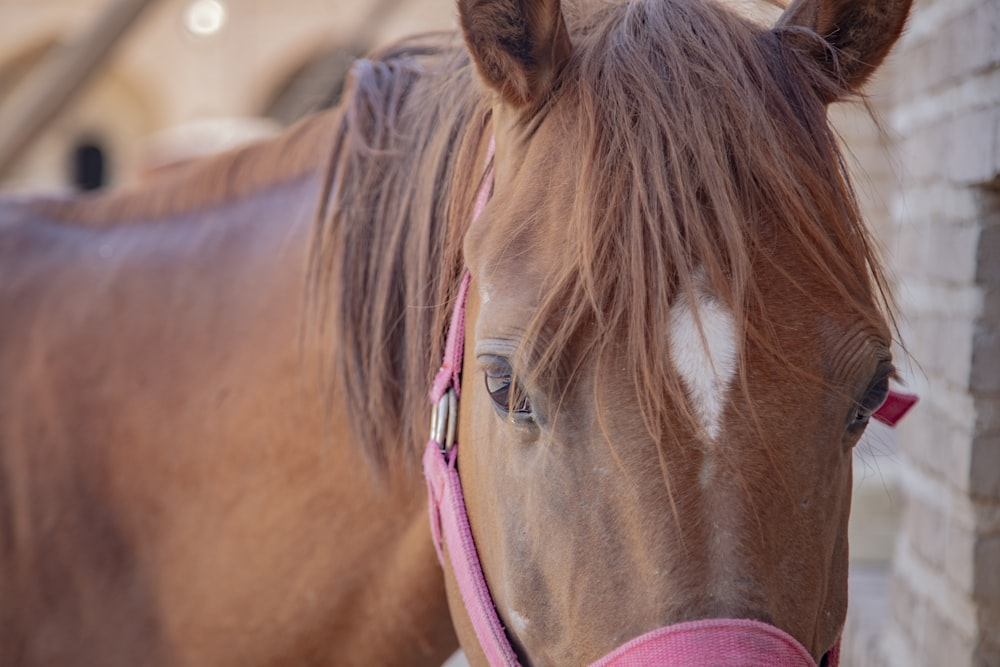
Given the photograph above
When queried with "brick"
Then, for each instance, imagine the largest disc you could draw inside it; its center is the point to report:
(971, 156)
(944, 109)
(987, 417)
(955, 453)
(908, 610)
(985, 356)
(951, 349)
(921, 300)
(990, 310)
(959, 556)
(912, 247)
(989, 624)
(978, 44)
(960, 406)
(943, 204)
(929, 333)
(926, 526)
(987, 655)
(955, 251)
(984, 473)
(926, 441)
(956, 205)
(988, 258)
(988, 199)
(985, 513)
(946, 645)
(922, 160)
(905, 79)
(995, 167)
(867, 616)
(895, 650)
(875, 506)
(942, 65)
(986, 556)
(941, 595)
(960, 460)
(947, 64)
(932, 620)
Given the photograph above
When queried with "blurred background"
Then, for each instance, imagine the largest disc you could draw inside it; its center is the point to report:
(100, 93)
(147, 81)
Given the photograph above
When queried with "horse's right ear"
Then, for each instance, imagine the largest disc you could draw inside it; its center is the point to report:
(519, 46)
(848, 38)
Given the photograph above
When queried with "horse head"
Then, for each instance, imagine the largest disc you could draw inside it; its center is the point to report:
(676, 330)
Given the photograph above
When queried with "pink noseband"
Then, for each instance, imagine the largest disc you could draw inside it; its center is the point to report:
(706, 643)
(729, 642)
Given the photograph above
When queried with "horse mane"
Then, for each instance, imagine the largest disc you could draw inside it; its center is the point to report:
(386, 253)
(703, 138)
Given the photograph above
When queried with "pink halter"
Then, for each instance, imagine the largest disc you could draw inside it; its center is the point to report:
(706, 643)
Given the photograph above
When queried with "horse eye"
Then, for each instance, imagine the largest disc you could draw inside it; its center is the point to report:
(505, 396)
(873, 400)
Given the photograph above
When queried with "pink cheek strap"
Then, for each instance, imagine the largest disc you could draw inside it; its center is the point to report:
(450, 526)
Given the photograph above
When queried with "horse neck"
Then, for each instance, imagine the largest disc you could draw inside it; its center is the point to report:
(196, 284)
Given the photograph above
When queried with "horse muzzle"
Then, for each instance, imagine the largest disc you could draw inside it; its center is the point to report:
(704, 643)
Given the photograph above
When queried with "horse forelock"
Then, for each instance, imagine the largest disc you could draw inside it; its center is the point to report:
(701, 139)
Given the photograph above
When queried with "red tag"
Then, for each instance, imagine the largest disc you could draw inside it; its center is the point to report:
(895, 407)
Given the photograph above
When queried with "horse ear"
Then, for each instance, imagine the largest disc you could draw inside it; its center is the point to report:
(519, 46)
(856, 35)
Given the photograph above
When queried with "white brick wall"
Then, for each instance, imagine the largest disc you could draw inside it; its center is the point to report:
(941, 102)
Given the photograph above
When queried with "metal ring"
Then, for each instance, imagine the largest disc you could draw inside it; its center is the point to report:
(441, 422)
(452, 419)
(434, 422)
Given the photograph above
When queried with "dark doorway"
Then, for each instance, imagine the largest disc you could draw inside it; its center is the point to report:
(89, 165)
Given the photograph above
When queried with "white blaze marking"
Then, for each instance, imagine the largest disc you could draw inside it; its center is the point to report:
(705, 357)
(707, 470)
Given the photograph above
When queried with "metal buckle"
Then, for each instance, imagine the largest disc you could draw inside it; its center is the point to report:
(444, 420)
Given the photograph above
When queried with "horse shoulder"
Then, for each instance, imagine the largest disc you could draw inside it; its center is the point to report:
(138, 363)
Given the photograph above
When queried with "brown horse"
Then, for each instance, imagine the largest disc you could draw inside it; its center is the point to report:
(213, 388)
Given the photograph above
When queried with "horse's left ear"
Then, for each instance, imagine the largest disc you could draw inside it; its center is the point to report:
(519, 46)
(856, 36)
